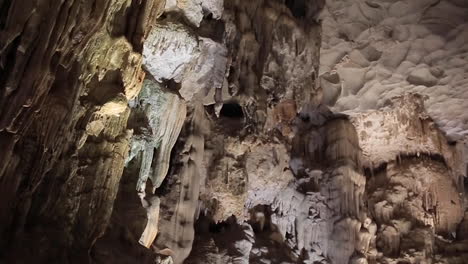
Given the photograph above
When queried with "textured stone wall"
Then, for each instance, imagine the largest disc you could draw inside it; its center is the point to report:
(189, 131)
(68, 70)
(375, 50)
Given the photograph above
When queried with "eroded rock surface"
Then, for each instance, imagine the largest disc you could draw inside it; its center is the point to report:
(68, 70)
(189, 131)
(376, 50)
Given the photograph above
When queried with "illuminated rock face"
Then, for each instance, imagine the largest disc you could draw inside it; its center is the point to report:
(189, 131)
(375, 50)
(68, 70)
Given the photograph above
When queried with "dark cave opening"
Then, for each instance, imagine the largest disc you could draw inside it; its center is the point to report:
(297, 7)
(232, 110)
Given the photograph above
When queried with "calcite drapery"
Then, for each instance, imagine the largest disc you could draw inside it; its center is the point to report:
(215, 129)
(68, 69)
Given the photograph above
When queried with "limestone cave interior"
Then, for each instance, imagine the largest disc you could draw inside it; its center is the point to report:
(234, 131)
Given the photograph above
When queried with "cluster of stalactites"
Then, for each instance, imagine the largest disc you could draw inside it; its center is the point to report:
(328, 142)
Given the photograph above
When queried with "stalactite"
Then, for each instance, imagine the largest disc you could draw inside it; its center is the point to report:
(181, 231)
(270, 131)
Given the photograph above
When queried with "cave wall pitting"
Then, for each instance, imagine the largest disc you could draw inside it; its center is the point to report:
(190, 131)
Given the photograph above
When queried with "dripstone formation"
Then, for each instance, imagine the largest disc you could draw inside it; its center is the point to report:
(235, 131)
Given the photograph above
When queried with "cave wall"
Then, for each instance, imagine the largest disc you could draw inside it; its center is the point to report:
(68, 70)
(189, 131)
(375, 50)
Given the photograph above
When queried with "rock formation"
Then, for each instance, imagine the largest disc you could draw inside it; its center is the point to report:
(211, 131)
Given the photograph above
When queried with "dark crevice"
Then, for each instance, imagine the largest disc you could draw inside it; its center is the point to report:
(404, 157)
(369, 172)
(260, 218)
(212, 28)
(8, 62)
(298, 7)
(4, 7)
(102, 91)
(232, 110)
(119, 25)
(175, 165)
(465, 180)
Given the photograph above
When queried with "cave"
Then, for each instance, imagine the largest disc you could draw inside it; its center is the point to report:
(234, 131)
(232, 110)
(298, 8)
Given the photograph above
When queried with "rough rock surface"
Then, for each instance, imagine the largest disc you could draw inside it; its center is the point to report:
(68, 70)
(261, 131)
(379, 49)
